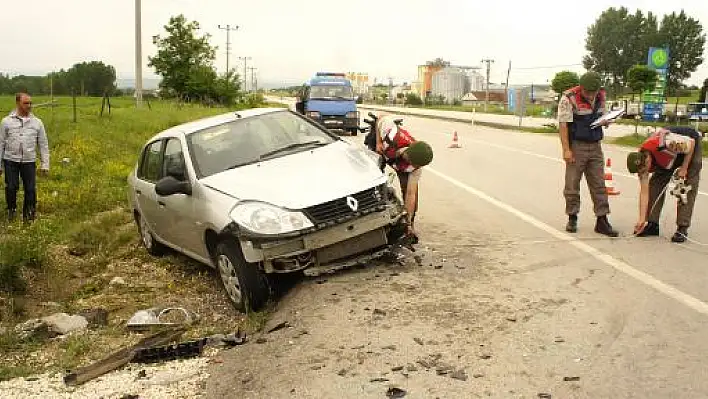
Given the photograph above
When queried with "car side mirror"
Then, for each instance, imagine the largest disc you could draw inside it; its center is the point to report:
(169, 186)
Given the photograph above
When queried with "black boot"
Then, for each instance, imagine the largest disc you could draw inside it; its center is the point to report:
(572, 225)
(603, 227)
(651, 229)
(680, 235)
(28, 215)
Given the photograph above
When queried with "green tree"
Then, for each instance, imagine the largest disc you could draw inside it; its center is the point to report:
(641, 78)
(617, 41)
(684, 37)
(89, 78)
(180, 54)
(564, 80)
(704, 90)
(413, 99)
(438, 62)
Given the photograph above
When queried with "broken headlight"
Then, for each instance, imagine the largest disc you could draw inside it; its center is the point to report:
(263, 218)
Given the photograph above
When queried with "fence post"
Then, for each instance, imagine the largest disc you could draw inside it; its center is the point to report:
(73, 96)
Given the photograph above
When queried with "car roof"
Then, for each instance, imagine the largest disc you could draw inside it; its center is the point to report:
(205, 123)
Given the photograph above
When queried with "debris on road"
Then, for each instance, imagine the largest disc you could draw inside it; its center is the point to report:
(120, 358)
(394, 393)
(571, 378)
(150, 318)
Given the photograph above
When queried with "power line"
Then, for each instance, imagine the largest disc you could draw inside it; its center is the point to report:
(551, 66)
(228, 42)
(486, 101)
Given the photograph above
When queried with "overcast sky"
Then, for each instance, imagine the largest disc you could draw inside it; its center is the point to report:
(289, 40)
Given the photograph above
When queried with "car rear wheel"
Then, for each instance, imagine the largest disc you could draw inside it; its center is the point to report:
(245, 284)
(152, 246)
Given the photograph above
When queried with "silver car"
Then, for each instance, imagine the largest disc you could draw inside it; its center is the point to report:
(261, 192)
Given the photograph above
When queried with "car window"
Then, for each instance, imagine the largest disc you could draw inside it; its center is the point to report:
(152, 161)
(173, 164)
(247, 140)
(331, 91)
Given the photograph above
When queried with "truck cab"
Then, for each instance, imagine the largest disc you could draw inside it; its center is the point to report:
(328, 98)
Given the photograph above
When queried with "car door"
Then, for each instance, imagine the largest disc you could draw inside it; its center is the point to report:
(149, 172)
(179, 211)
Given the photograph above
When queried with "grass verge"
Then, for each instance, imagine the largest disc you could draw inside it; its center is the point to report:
(84, 236)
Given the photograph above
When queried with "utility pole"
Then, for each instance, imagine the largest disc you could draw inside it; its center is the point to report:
(253, 82)
(138, 56)
(486, 102)
(506, 87)
(245, 73)
(228, 42)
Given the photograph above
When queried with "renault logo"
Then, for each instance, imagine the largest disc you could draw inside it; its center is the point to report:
(352, 203)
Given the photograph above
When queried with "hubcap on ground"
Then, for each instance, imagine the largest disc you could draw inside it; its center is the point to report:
(228, 276)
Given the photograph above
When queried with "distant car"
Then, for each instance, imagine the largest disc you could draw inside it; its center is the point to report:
(262, 192)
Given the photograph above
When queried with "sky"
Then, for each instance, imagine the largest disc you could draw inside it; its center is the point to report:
(288, 41)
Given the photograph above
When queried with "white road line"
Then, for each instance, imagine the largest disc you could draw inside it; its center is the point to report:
(558, 160)
(664, 288)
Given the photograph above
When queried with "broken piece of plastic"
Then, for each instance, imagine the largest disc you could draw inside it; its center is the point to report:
(149, 318)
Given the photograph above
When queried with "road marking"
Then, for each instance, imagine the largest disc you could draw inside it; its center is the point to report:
(623, 267)
(558, 160)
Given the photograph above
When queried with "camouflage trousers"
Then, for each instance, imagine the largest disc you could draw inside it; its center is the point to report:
(590, 162)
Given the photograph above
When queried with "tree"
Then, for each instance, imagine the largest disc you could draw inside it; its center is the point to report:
(617, 41)
(89, 78)
(438, 62)
(180, 54)
(641, 78)
(685, 39)
(564, 80)
(704, 90)
(413, 99)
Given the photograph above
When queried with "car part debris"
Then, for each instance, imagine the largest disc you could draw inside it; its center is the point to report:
(121, 357)
(394, 392)
(156, 354)
(149, 318)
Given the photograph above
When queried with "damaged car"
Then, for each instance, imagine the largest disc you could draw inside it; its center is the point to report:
(261, 193)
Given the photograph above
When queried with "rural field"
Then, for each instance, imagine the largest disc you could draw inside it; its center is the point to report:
(84, 237)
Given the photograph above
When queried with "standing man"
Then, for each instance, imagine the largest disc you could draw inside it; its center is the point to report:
(407, 156)
(21, 133)
(672, 150)
(582, 151)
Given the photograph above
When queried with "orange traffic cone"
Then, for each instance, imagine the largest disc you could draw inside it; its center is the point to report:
(609, 181)
(455, 142)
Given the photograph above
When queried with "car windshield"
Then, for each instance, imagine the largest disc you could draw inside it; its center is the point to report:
(253, 139)
(327, 92)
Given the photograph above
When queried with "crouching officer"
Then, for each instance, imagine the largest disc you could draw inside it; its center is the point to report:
(674, 150)
(582, 150)
(407, 156)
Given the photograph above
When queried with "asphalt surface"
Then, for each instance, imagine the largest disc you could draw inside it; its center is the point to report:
(624, 317)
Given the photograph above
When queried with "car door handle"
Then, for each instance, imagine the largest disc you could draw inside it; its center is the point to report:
(162, 204)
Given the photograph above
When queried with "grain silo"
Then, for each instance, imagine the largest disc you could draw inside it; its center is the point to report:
(451, 83)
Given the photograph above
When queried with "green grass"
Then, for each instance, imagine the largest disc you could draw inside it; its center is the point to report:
(99, 152)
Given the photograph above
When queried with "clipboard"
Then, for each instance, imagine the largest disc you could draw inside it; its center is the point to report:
(610, 116)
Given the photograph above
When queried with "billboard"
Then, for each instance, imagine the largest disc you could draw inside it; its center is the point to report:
(655, 98)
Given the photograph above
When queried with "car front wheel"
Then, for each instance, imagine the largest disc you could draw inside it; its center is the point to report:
(245, 284)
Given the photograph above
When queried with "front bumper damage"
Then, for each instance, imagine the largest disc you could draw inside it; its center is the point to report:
(344, 245)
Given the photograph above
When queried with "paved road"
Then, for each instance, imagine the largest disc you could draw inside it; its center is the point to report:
(615, 130)
(627, 316)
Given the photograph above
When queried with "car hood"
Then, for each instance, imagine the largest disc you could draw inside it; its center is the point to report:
(303, 179)
(331, 107)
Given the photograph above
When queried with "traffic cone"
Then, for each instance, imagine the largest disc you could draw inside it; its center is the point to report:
(609, 181)
(455, 142)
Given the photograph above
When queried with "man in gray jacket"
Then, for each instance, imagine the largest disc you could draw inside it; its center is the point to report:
(21, 133)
